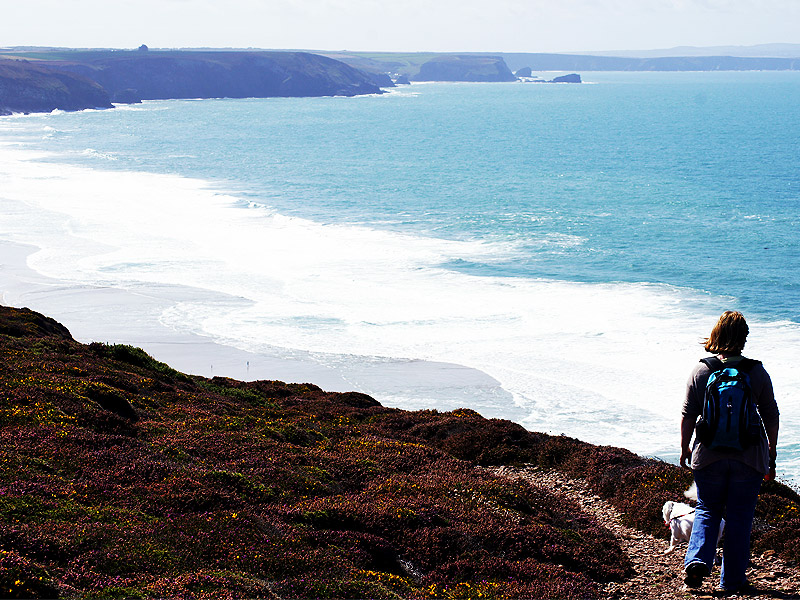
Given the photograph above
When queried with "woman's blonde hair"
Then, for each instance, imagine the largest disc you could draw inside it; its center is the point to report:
(729, 334)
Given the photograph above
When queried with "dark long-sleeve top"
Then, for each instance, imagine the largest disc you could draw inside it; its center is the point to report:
(755, 455)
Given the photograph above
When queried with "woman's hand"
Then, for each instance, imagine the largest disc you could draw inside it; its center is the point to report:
(686, 457)
(687, 430)
(770, 476)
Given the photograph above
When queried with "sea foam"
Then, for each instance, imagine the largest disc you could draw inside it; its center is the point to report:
(603, 362)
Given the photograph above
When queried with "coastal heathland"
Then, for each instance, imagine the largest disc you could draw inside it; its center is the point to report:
(121, 477)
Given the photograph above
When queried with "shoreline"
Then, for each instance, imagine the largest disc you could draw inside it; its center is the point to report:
(120, 316)
(131, 316)
(571, 372)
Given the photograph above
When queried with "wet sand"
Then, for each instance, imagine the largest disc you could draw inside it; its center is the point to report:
(132, 316)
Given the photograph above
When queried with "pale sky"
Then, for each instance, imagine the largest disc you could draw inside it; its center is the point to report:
(400, 25)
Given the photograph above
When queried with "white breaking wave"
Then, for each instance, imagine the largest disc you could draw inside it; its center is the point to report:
(91, 152)
(603, 362)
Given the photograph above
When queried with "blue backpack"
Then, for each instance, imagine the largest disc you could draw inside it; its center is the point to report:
(730, 421)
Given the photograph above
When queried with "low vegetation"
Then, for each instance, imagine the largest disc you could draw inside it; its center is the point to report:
(120, 477)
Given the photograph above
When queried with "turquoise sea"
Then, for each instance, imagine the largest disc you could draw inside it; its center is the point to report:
(571, 243)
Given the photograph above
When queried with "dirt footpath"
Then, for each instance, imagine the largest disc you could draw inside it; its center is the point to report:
(659, 576)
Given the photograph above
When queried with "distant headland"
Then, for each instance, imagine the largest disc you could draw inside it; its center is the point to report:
(42, 80)
(410, 64)
(45, 79)
(75, 80)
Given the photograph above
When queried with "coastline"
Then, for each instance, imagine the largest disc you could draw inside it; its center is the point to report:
(574, 375)
(131, 316)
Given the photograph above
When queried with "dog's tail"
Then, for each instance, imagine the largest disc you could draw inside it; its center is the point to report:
(691, 493)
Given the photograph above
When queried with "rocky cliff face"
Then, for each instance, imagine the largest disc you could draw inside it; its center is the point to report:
(464, 68)
(29, 87)
(79, 80)
(162, 75)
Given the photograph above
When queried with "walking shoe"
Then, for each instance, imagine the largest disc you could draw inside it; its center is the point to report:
(694, 574)
(746, 589)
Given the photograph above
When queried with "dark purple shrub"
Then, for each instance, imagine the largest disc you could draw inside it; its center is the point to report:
(320, 586)
(23, 322)
(23, 578)
(784, 538)
(513, 579)
(366, 551)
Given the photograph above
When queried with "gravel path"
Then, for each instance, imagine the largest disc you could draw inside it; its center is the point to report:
(659, 576)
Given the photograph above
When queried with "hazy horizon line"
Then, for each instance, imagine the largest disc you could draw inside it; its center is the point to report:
(778, 50)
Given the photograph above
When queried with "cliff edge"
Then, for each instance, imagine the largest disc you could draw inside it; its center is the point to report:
(31, 87)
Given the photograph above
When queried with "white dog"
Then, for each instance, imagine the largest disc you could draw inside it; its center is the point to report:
(679, 517)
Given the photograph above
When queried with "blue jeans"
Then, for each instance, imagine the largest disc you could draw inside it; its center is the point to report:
(731, 487)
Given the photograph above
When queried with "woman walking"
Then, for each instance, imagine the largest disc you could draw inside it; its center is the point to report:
(731, 408)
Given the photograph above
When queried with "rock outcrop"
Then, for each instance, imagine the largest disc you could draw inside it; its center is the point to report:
(382, 80)
(571, 78)
(452, 67)
(27, 87)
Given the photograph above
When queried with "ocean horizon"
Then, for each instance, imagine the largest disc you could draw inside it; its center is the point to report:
(550, 254)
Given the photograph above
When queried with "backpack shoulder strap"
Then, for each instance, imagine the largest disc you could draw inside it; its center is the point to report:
(713, 363)
(746, 364)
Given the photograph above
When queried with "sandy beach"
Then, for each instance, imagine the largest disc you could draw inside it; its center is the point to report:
(118, 316)
(131, 316)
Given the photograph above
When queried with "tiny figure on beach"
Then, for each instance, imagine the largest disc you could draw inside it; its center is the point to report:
(731, 410)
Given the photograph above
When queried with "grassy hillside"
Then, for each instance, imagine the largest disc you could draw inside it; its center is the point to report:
(120, 477)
